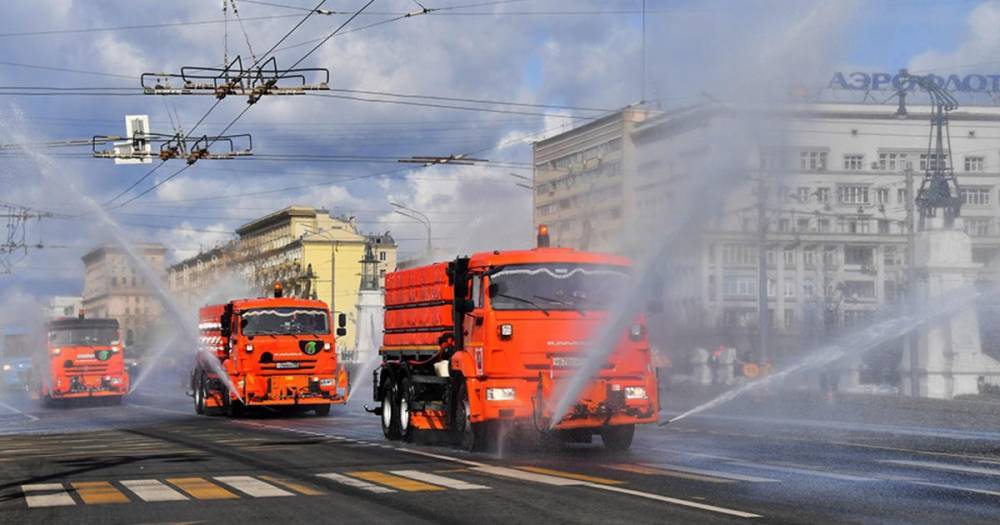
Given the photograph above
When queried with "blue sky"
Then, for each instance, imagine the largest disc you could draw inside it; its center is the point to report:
(489, 52)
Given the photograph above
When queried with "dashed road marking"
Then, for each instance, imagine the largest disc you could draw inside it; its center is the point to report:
(253, 486)
(98, 492)
(435, 479)
(681, 502)
(396, 482)
(572, 475)
(712, 473)
(356, 483)
(650, 471)
(152, 490)
(47, 495)
(297, 487)
(943, 466)
(199, 488)
(526, 476)
(25, 414)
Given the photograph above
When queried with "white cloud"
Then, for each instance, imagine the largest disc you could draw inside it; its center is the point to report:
(981, 44)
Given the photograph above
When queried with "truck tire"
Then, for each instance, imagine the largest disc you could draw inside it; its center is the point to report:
(403, 404)
(199, 393)
(233, 407)
(466, 434)
(617, 438)
(322, 410)
(390, 414)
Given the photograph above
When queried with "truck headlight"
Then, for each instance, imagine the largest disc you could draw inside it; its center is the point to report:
(249, 348)
(635, 392)
(636, 332)
(499, 394)
(116, 380)
(506, 331)
(326, 347)
(326, 382)
(6, 368)
(56, 351)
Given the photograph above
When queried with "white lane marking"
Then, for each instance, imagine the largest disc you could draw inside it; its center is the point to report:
(716, 473)
(253, 486)
(152, 490)
(527, 476)
(59, 498)
(675, 501)
(434, 479)
(158, 409)
(943, 466)
(356, 483)
(801, 470)
(956, 487)
(12, 409)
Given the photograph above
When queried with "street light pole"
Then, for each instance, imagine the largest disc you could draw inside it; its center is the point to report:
(415, 215)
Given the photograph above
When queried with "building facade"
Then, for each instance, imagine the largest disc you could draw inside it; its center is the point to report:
(834, 184)
(309, 252)
(63, 306)
(113, 288)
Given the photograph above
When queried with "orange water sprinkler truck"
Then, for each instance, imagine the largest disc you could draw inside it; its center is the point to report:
(481, 343)
(276, 352)
(84, 358)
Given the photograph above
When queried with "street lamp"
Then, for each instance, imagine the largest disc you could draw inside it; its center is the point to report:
(415, 215)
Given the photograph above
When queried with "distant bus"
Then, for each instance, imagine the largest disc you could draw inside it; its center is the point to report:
(83, 358)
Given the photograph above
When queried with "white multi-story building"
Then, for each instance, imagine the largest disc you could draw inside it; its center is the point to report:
(839, 183)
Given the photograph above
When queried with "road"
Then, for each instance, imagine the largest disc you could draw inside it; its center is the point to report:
(152, 460)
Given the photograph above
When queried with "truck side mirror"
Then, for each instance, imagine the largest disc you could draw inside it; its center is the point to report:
(224, 324)
(342, 320)
(341, 332)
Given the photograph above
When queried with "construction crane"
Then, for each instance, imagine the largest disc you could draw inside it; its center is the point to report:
(939, 188)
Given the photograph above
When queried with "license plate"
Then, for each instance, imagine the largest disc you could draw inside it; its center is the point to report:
(567, 362)
(287, 365)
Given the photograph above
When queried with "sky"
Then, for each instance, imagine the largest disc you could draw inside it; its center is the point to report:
(552, 53)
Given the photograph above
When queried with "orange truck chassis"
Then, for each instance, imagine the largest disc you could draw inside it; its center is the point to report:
(83, 358)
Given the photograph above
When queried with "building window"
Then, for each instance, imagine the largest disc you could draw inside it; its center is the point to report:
(812, 160)
(770, 287)
(883, 226)
(789, 289)
(853, 225)
(889, 256)
(789, 259)
(809, 257)
(854, 162)
(382, 256)
(931, 161)
(808, 288)
(739, 254)
(802, 194)
(784, 225)
(739, 286)
(739, 317)
(823, 225)
(859, 289)
(830, 256)
(789, 318)
(975, 163)
(901, 196)
(891, 161)
(977, 226)
(802, 225)
(975, 196)
(823, 195)
(852, 194)
(861, 255)
(882, 196)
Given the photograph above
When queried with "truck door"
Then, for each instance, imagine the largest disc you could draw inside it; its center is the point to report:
(472, 325)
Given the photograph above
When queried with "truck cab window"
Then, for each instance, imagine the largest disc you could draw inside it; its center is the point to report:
(477, 291)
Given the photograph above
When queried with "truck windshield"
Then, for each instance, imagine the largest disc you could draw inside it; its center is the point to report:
(93, 336)
(556, 286)
(285, 321)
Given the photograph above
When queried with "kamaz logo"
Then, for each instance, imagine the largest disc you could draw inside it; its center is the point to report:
(566, 343)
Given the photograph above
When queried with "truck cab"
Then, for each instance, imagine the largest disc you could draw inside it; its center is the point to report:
(277, 351)
(83, 358)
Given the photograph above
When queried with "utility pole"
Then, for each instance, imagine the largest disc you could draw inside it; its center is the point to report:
(763, 319)
(416, 216)
(909, 348)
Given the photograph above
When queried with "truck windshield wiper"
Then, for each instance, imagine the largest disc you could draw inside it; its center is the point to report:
(564, 303)
(523, 300)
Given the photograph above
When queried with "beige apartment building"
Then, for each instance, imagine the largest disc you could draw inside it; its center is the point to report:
(311, 253)
(838, 182)
(114, 288)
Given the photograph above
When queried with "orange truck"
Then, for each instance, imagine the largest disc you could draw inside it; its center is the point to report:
(84, 358)
(482, 343)
(276, 352)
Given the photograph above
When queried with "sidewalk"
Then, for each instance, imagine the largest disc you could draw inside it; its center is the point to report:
(873, 409)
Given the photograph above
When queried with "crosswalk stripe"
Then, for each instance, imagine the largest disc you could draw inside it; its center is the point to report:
(525, 476)
(396, 482)
(253, 486)
(199, 488)
(715, 473)
(944, 466)
(58, 498)
(650, 471)
(98, 492)
(451, 483)
(297, 487)
(152, 490)
(356, 483)
(572, 475)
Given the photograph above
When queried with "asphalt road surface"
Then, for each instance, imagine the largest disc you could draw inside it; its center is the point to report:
(152, 460)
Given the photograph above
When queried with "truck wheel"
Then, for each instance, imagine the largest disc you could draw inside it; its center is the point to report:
(617, 438)
(390, 416)
(466, 434)
(199, 394)
(233, 407)
(322, 410)
(403, 405)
